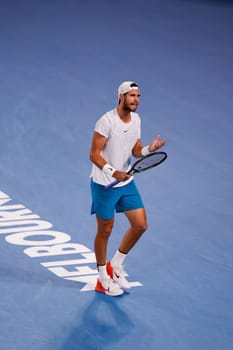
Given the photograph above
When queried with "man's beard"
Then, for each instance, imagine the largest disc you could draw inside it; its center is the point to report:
(128, 108)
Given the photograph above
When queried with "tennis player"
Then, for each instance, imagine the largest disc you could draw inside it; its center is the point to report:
(115, 140)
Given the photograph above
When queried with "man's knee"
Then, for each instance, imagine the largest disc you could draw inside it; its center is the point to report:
(143, 227)
(140, 228)
(105, 227)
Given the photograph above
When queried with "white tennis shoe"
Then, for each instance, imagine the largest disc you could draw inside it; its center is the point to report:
(108, 286)
(118, 274)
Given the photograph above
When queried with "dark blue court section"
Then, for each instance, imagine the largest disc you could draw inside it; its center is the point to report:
(60, 65)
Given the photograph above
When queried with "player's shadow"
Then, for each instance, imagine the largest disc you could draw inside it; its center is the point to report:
(103, 323)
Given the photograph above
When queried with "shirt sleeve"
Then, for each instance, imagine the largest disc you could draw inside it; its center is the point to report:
(103, 126)
(139, 127)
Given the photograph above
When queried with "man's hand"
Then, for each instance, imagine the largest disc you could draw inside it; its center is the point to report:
(156, 144)
(121, 176)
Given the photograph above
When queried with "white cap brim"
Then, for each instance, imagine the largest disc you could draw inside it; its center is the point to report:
(127, 86)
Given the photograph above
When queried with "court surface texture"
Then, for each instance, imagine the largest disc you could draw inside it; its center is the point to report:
(61, 63)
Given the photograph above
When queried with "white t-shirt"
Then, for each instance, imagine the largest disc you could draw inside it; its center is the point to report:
(121, 138)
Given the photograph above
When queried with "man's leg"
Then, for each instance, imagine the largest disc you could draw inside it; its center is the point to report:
(104, 283)
(104, 229)
(138, 225)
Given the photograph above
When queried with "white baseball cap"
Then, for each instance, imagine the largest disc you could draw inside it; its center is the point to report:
(127, 86)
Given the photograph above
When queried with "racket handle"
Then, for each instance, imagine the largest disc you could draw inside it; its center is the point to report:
(107, 187)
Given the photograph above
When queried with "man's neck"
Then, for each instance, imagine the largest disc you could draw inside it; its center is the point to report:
(124, 114)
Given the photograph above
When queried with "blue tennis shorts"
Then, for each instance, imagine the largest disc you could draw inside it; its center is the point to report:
(119, 199)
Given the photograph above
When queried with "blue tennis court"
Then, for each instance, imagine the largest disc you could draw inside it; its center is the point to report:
(60, 65)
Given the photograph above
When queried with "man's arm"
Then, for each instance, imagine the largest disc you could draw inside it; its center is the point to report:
(139, 150)
(98, 144)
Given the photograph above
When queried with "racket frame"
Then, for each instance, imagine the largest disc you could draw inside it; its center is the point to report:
(133, 171)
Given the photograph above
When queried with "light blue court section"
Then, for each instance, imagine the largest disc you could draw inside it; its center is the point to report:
(60, 65)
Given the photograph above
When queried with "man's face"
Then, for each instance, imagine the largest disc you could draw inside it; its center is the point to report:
(131, 100)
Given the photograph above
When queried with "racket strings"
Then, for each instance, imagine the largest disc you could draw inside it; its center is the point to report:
(149, 161)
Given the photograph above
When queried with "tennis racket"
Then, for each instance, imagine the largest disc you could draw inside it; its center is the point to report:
(144, 163)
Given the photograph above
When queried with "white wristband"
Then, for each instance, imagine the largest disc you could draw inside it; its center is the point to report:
(145, 151)
(108, 169)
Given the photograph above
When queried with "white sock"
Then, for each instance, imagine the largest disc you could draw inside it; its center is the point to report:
(102, 272)
(118, 258)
